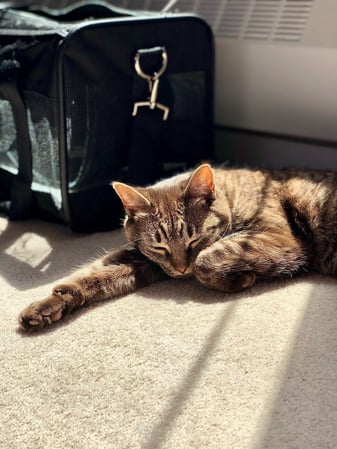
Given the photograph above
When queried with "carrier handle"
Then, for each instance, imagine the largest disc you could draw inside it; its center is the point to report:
(76, 12)
(99, 9)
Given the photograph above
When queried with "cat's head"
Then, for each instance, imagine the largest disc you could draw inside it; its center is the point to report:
(171, 222)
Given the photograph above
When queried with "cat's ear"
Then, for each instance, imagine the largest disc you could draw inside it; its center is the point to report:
(133, 201)
(201, 183)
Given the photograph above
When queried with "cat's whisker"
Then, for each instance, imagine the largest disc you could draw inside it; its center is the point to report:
(130, 244)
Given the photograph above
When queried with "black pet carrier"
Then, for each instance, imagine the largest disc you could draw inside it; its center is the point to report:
(96, 94)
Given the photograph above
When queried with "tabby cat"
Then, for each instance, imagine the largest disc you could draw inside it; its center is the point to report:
(226, 227)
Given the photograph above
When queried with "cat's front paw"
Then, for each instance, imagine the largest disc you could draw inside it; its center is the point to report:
(220, 278)
(43, 313)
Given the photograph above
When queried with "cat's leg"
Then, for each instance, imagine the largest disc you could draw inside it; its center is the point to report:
(233, 264)
(118, 273)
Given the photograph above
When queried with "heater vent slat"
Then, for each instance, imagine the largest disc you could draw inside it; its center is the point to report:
(243, 19)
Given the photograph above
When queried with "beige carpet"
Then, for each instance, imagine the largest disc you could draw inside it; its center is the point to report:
(172, 367)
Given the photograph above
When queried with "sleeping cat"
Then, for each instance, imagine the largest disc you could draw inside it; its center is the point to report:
(226, 227)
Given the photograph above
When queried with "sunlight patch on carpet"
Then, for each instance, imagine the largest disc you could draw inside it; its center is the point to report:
(30, 249)
(286, 343)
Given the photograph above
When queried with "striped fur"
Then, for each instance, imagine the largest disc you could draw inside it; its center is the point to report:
(226, 227)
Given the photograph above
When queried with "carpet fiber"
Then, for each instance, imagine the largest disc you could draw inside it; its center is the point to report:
(173, 366)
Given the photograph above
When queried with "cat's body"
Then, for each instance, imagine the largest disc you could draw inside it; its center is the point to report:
(226, 227)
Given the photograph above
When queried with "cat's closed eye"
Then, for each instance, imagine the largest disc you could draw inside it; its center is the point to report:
(163, 250)
(192, 244)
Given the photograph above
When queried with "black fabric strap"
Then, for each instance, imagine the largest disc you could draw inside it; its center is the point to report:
(21, 194)
(144, 157)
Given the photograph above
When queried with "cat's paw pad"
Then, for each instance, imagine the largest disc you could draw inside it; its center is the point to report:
(42, 313)
(247, 279)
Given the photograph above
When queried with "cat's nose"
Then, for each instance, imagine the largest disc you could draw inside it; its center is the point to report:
(182, 269)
